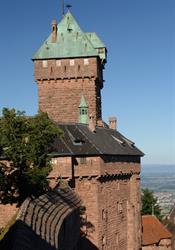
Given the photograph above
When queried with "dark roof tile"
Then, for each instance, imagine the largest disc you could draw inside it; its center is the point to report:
(80, 140)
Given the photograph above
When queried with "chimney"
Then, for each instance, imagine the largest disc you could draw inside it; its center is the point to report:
(113, 123)
(54, 31)
(91, 123)
(100, 123)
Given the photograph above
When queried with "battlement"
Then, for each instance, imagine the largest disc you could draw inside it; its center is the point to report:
(68, 69)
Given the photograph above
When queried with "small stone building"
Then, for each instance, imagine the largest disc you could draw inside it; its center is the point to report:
(155, 236)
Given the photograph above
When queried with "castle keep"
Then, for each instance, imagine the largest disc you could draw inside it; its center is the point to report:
(99, 163)
(68, 65)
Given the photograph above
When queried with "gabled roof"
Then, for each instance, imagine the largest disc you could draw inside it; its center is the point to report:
(71, 42)
(80, 140)
(153, 230)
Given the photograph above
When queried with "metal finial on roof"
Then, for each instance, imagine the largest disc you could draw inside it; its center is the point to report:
(83, 103)
(68, 6)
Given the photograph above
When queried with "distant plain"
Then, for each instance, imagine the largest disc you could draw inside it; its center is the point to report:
(160, 179)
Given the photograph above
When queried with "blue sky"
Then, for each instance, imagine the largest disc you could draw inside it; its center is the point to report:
(139, 76)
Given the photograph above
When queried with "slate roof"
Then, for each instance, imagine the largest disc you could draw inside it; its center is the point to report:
(71, 42)
(80, 140)
(153, 230)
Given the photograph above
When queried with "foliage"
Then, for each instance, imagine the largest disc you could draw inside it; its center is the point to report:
(149, 204)
(25, 142)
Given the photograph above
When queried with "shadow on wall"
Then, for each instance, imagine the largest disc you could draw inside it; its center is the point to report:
(85, 244)
(20, 236)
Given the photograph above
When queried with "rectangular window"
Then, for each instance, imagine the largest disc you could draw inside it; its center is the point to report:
(120, 207)
(45, 64)
(103, 240)
(117, 240)
(104, 215)
(83, 160)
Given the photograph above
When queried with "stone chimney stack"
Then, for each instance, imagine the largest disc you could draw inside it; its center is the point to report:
(92, 123)
(113, 123)
(54, 31)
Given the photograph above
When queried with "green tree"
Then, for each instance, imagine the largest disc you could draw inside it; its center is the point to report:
(25, 142)
(149, 204)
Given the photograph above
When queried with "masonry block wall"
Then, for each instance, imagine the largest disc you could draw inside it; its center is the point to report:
(7, 212)
(110, 193)
(61, 83)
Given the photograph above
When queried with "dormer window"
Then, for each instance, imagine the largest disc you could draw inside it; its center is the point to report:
(122, 143)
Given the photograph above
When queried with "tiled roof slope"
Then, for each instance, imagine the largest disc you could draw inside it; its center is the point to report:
(153, 230)
(71, 42)
(80, 140)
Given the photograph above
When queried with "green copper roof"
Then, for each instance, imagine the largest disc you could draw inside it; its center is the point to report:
(83, 103)
(95, 40)
(71, 42)
(83, 111)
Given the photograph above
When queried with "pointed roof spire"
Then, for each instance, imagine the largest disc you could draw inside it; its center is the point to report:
(72, 42)
(83, 111)
(83, 103)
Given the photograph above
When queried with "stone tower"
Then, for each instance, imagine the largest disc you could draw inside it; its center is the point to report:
(100, 164)
(68, 65)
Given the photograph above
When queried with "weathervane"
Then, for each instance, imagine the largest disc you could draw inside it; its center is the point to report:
(68, 6)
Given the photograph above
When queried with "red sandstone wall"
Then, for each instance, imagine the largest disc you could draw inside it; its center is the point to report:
(7, 212)
(110, 192)
(113, 196)
(62, 86)
(134, 216)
